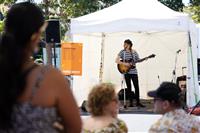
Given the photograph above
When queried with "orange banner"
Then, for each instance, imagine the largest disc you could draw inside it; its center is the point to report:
(71, 58)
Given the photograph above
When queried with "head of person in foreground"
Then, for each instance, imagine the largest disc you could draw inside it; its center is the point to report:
(24, 24)
(103, 100)
(167, 97)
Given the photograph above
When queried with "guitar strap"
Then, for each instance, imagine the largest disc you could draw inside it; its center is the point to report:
(124, 56)
(132, 56)
(132, 60)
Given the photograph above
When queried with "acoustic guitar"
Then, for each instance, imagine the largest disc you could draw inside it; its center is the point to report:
(124, 69)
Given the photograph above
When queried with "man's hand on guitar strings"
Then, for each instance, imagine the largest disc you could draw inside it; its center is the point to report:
(127, 64)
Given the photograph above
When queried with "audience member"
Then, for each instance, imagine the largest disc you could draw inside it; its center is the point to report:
(103, 106)
(175, 119)
(32, 97)
(181, 82)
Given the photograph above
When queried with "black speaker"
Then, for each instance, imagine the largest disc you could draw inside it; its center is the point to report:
(84, 106)
(52, 34)
(128, 94)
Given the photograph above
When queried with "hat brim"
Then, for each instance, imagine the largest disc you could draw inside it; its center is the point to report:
(152, 94)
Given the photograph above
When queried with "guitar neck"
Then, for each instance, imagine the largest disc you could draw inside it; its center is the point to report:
(140, 60)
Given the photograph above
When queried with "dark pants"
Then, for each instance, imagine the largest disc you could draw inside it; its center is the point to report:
(134, 78)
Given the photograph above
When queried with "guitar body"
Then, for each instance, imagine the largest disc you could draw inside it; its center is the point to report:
(122, 68)
(125, 69)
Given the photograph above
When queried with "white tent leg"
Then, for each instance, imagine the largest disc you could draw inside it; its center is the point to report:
(192, 86)
(102, 58)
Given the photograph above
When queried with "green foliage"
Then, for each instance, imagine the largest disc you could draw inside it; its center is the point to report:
(196, 13)
(1, 26)
(67, 9)
(176, 5)
(107, 3)
(7, 1)
(194, 10)
(195, 2)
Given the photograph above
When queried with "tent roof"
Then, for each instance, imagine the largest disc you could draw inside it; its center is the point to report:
(131, 15)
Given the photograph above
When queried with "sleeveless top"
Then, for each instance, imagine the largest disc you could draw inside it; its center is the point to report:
(27, 118)
(117, 126)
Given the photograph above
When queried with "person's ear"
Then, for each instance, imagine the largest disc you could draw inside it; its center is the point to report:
(165, 104)
(34, 42)
(34, 37)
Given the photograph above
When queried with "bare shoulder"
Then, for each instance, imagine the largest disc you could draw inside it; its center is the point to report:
(55, 79)
(64, 99)
(54, 74)
(86, 120)
(53, 71)
(88, 123)
(93, 123)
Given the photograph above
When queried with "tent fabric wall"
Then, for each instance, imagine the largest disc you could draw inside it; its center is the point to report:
(90, 65)
(161, 44)
(159, 31)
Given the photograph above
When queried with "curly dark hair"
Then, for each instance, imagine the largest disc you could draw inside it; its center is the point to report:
(22, 21)
(100, 96)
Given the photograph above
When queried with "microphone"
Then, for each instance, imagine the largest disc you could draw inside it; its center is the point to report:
(159, 79)
(178, 51)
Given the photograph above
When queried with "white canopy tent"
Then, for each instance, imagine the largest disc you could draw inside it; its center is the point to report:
(153, 28)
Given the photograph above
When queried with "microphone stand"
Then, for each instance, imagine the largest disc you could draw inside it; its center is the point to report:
(159, 79)
(124, 88)
(183, 69)
(123, 84)
(174, 70)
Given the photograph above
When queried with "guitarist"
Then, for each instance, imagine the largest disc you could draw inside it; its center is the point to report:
(127, 57)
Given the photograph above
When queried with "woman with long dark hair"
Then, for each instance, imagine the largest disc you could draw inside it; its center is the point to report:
(32, 97)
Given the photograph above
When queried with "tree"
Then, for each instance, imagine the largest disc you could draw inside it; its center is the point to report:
(176, 5)
(195, 2)
(108, 3)
(67, 9)
(3, 9)
(7, 1)
(194, 10)
(1, 26)
(64, 10)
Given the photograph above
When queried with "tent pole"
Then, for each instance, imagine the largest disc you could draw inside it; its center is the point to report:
(102, 58)
(191, 57)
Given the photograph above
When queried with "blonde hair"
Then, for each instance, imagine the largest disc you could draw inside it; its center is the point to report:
(100, 96)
